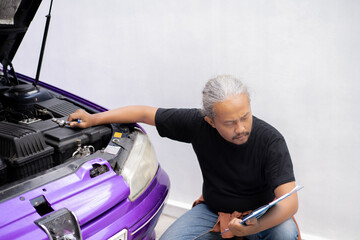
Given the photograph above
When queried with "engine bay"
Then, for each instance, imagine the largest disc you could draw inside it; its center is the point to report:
(34, 136)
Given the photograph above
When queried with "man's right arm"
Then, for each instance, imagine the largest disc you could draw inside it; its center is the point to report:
(129, 114)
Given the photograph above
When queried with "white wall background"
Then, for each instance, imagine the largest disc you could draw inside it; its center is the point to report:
(299, 58)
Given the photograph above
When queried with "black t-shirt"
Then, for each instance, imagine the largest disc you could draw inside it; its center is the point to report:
(236, 177)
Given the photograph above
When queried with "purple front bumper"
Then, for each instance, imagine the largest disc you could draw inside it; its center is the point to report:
(100, 205)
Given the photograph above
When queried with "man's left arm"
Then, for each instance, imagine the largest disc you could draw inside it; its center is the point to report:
(277, 214)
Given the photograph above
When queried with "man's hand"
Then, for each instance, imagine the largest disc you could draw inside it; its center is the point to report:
(273, 217)
(252, 227)
(86, 119)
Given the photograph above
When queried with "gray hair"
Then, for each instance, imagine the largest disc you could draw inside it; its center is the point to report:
(218, 89)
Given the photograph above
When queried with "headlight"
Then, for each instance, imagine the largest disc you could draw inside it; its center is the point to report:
(141, 166)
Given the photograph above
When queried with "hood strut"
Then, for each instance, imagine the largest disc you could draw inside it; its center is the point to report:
(48, 17)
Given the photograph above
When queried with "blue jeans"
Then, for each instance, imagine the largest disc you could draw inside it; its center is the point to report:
(198, 221)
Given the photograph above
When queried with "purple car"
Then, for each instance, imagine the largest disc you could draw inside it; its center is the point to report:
(59, 182)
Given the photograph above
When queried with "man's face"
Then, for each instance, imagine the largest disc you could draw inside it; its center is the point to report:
(233, 119)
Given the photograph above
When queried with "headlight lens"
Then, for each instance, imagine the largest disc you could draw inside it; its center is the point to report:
(141, 166)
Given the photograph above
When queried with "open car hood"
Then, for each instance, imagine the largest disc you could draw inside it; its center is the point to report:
(15, 18)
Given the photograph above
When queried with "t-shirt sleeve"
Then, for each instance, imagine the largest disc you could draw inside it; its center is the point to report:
(279, 167)
(177, 124)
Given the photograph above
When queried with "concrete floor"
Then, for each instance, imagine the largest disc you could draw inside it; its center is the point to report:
(164, 222)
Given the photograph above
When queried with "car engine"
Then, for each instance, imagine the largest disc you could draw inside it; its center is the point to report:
(33, 133)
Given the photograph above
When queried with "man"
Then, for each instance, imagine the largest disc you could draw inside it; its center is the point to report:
(244, 161)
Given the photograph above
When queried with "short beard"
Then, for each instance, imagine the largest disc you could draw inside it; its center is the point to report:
(241, 135)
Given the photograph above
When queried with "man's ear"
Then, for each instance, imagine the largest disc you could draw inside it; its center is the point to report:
(209, 121)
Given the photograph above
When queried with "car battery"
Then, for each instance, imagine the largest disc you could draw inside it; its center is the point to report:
(24, 150)
(65, 140)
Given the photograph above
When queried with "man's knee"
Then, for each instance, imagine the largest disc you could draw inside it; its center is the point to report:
(195, 222)
(285, 231)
